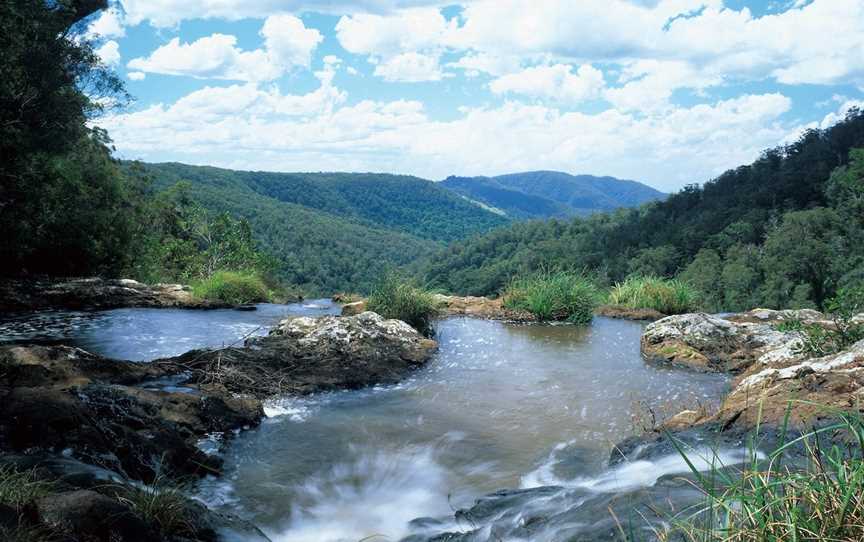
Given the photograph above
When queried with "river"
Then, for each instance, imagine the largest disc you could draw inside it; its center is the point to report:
(499, 406)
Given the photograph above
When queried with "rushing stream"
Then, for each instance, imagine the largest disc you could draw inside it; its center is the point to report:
(499, 406)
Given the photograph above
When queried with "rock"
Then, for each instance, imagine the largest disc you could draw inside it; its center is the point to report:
(480, 307)
(684, 419)
(95, 294)
(627, 313)
(64, 399)
(91, 516)
(817, 388)
(305, 354)
(353, 309)
(714, 344)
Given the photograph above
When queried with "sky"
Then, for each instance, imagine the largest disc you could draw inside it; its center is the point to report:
(666, 92)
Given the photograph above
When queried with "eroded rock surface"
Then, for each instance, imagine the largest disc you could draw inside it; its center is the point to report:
(774, 371)
(96, 294)
(305, 354)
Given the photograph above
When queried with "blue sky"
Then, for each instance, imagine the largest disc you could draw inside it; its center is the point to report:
(667, 92)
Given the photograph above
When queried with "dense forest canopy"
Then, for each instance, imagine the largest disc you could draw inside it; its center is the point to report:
(782, 231)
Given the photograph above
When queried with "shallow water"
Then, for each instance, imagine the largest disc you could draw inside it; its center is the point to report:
(499, 406)
(146, 334)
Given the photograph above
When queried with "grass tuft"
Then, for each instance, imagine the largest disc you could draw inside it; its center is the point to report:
(395, 297)
(669, 296)
(18, 488)
(232, 287)
(817, 497)
(161, 503)
(559, 296)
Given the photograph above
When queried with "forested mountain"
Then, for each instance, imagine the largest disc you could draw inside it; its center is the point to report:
(545, 194)
(783, 231)
(400, 203)
(331, 231)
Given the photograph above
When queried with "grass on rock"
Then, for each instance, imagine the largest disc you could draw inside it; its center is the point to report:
(669, 296)
(558, 296)
(232, 287)
(396, 297)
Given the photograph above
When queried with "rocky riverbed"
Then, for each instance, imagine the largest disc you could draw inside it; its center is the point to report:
(86, 431)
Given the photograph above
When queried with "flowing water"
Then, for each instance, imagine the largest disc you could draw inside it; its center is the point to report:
(499, 406)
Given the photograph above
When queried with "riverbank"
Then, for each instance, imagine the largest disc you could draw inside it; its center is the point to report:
(85, 431)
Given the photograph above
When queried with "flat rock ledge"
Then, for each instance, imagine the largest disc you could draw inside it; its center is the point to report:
(93, 428)
(96, 294)
(480, 307)
(771, 370)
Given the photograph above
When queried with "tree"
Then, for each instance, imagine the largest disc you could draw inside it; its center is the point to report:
(63, 202)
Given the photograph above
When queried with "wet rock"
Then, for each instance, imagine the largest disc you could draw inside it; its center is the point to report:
(60, 399)
(305, 354)
(353, 309)
(95, 293)
(479, 307)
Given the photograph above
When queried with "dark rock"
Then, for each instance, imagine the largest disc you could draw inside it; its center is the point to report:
(92, 516)
(96, 293)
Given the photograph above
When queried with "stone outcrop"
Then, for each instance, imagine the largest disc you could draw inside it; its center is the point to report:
(304, 355)
(627, 313)
(96, 294)
(773, 371)
(479, 307)
(354, 308)
(92, 428)
(723, 344)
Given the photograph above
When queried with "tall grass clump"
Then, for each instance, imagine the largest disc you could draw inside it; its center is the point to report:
(232, 287)
(669, 296)
(559, 295)
(399, 298)
(19, 488)
(815, 495)
(161, 503)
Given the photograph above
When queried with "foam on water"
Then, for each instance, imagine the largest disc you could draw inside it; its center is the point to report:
(377, 494)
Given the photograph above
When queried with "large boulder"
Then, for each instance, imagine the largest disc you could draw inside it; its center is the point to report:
(718, 344)
(306, 354)
(89, 515)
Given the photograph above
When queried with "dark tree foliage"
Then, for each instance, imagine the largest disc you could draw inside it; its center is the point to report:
(782, 231)
(62, 200)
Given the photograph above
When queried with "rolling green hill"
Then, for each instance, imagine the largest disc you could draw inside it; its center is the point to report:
(547, 194)
(334, 231)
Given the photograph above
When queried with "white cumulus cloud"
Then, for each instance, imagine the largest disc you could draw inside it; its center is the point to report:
(558, 82)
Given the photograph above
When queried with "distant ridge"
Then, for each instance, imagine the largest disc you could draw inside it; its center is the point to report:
(547, 194)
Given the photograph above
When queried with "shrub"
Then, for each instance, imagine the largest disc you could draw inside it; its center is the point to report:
(161, 503)
(395, 297)
(558, 295)
(232, 287)
(669, 296)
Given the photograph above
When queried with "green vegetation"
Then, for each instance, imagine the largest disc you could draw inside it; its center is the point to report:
(778, 499)
(232, 287)
(669, 296)
(559, 295)
(786, 231)
(396, 297)
(19, 488)
(844, 332)
(161, 503)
